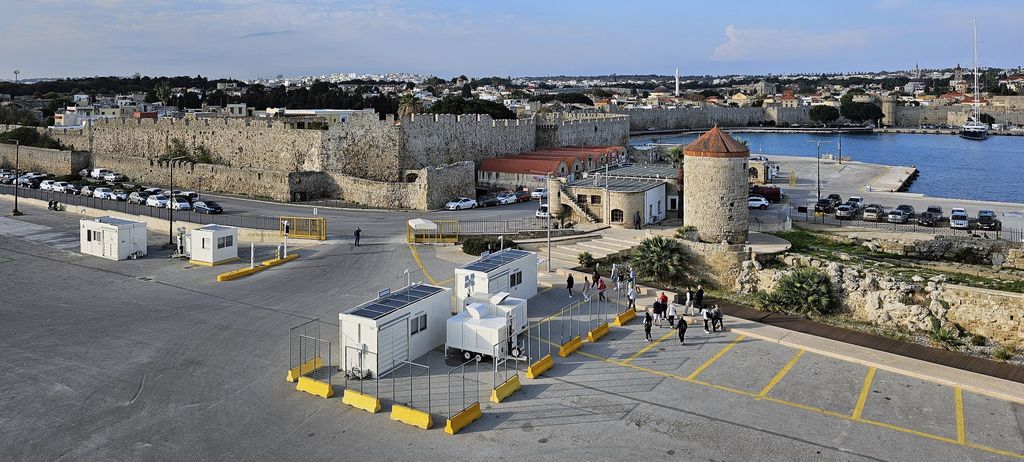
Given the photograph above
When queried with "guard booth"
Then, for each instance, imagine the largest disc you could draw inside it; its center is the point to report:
(511, 270)
(214, 244)
(395, 327)
(113, 238)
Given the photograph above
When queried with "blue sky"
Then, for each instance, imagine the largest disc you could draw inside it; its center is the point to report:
(244, 39)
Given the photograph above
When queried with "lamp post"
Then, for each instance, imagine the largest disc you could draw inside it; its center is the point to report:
(818, 161)
(170, 202)
(547, 188)
(16, 72)
(17, 145)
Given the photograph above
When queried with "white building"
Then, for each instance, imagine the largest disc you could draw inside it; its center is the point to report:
(214, 244)
(113, 238)
(394, 327)
(510, 270)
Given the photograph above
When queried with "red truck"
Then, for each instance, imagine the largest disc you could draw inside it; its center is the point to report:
(770, 192)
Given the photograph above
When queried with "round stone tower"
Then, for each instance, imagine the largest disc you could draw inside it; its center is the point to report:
(715, 187)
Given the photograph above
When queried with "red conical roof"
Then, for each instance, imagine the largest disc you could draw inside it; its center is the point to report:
(716, 143)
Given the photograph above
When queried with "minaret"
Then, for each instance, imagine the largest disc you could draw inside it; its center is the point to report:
(917, 72)
(677, 82)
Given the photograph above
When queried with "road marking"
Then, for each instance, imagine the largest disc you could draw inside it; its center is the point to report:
(872, 181)
(961, 430)
(863, 398)
(416, 256)
(650, 345)
(782, 373)
(714, 358)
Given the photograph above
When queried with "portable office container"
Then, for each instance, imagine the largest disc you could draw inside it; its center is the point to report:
(510, 270)
(113, 238)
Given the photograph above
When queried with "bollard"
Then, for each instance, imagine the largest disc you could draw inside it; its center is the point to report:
(252, 255)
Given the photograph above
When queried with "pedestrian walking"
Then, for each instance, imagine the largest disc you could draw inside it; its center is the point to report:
(670, 314)
(632, 276)
(698, 298)
(637, 221)
(569, 282)
(681, 327)
(619, 281)
(716, 319)
(689, 301)
(586, 289)
(357, 233)
(597, 275)
(615, 272)
(706, 315)
(600, 290)
(631, 297)
(648, 322)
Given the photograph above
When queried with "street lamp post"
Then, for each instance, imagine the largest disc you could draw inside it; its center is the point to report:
(16, 72)
(547, 189)
(17, 145)
(818, 162)
(170, 202)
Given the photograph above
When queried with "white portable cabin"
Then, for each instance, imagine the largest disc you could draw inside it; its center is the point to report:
(113, 238)
(214, 244)
(394, 327)
(510, 270)
(488, 326)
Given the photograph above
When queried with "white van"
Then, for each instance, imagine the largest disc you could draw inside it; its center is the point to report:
(99, 173)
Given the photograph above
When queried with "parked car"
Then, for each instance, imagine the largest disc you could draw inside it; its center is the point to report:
(208, 207)
(99, 173)
(138, 197)
(179, 203)
(85, 173)
(539, 193)
(897, 216)
(927, 218)
(487, 200)
(156, 200)
(958, 219)
(935, 210)
(856, 203)
(115, 177)
(824, 206)
(46, 185)
(845, 211)
(757, 202)
(523, 196)
(873, 212)
(770, 192)
(542, 211)
(987, 221)
(72, 188)
(58, 186)
(29, 182)
(507, 197)
(460, 203)
(835, 198)
(103, 193)
(8, 178)
(153, 191)
(190, 196)
(907, 209)
(119, 194)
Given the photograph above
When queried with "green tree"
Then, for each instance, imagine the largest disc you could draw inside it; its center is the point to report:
(804, 291)
(824, 114)
(987, 119)
(860, 112)
(660, 259)
(28, 136)
(454, 104)
(675, 156)
(163, 92)
(408, 104)
(467, 91)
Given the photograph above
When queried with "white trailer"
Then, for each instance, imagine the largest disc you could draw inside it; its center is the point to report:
(511, 270)
(213, 245)
(113, 238)
(392, 328)
(486, 323)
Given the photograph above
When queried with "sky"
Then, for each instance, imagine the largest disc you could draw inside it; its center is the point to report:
(247, 39)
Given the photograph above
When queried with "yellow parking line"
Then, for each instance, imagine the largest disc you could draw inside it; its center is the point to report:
(714, 358)
(961, 430)
(782, 373)
(649, 346)
(863, 398)
(416, 256)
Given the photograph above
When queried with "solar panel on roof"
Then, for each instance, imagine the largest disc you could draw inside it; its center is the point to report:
(497, 259)
(394, 301)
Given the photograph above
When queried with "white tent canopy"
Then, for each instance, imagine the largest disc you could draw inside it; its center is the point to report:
(420, 224)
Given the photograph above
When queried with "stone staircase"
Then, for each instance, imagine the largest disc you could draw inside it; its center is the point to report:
(582, 209)
(599, 247)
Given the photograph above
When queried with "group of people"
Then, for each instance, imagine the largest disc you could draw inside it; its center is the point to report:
(618, 276)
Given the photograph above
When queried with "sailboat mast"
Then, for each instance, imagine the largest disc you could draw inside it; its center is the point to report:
(976, 115)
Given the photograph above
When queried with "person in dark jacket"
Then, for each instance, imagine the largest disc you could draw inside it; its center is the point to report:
(637, 221)
(569, 283)
(648, 322)
(698, 298)
(357, 233)
(682, 328)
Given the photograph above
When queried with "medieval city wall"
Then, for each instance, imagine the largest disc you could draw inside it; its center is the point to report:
(265, 184)
(581, 129)
(438, 139)
(53, 161)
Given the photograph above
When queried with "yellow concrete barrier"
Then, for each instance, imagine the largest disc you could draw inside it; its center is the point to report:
(624, 317)
(315, 387)
(596, 333)
(277, 261)
(540, 367)
(506, 389)
(305, 368)
(410, 416)
(462, 419)
(238, 273)
(570, 347)
(362, 401)
(206, 263)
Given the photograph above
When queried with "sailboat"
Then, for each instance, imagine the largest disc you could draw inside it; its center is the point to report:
(974, 129)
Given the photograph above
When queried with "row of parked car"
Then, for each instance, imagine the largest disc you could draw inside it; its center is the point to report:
(854, 208)
(491, 200)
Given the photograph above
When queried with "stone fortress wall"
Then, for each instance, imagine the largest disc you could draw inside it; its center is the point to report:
(715, 198)
(52, 161)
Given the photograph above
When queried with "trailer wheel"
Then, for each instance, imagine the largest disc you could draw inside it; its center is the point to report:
(467, 355)
(516, 352)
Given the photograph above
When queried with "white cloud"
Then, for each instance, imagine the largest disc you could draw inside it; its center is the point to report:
(775, 44)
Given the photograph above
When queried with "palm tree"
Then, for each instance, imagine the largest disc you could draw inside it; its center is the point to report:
(675, 156)
(408, 104)
(805, 291)
(660, 259)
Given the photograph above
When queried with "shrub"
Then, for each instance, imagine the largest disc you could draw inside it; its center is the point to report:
(978, 340)
(1003, 354)
(28, 136)
(941, 335)
(476, 245)
(660, 259)
(804, 291)
(586, 260)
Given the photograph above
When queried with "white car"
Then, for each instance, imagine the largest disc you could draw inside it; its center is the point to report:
(958, 219)
(156, 200)
(507, 197)
(59, 186)
(119, 194)
(539, 193)
(542, 211)
(461, 203)
(46, 185)
(114, 177)
(99, 173)
(856, 203)
(757, 202)
(103, 193)
(179, 203)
